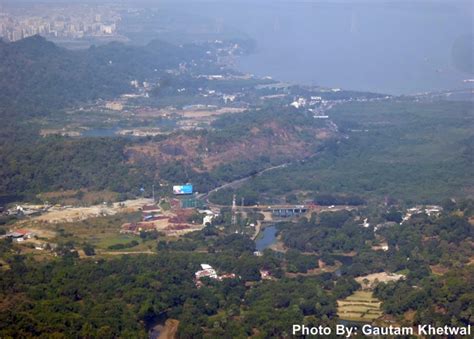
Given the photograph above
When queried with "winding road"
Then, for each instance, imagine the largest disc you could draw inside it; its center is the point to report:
(238, 182)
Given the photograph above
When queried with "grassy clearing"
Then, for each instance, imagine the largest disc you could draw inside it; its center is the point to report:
(360, 306)
(100, 232)
(114, 240)
(78, 197)
(165, 206)
(3, 265)
(124, 239)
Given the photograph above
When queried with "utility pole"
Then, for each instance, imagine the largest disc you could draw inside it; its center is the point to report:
(234, 210)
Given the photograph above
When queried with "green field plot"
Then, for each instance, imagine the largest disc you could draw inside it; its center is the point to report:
(360, 306)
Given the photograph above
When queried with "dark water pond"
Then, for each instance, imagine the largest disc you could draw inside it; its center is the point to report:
(267, 238)
(101, 132)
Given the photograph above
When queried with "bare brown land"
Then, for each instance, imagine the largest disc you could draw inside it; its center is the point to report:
(279, 246)
(439, 269)
(170, 330)
(71, 214)
(167, 331)
(203, 154)
(209, 113)
(372, 280)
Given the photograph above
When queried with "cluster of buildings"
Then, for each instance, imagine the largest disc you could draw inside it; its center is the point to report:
(176, 221)
(19, 235)
(26, 210)
(25, 235)
(315, 104)
(150, 215)
(207, 271)
(431, 210)
(303, 102)
(223, 98)
(68, 22)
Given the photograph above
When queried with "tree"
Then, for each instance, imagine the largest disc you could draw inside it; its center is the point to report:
(393, 215)
(88, 249)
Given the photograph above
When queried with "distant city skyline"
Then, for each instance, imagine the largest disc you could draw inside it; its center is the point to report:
(74, 22)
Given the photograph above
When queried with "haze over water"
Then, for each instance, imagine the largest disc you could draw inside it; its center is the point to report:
(397, 48)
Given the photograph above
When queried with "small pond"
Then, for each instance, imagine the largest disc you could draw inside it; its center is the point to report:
(267, 238)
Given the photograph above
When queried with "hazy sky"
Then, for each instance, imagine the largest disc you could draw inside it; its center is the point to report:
(234, 1)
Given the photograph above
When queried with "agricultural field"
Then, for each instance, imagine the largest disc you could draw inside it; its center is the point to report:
(360, 306)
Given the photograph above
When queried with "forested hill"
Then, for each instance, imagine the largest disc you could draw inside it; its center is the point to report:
(37, 75)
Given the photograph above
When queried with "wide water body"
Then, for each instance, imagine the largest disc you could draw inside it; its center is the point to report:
(395, 48)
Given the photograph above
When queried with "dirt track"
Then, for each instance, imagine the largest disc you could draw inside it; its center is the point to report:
(170, 329)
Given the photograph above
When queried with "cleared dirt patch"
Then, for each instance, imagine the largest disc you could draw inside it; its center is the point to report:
(170, 329)
(205, 153)
(72, 214)
(372, 280)
(208, 113)
(439, 269)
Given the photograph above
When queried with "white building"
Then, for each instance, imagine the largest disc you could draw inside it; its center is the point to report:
(207, 220)
(300, 102)
(207, 271)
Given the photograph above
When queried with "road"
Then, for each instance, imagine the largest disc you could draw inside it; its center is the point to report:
(238, 182)
(125, 253)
